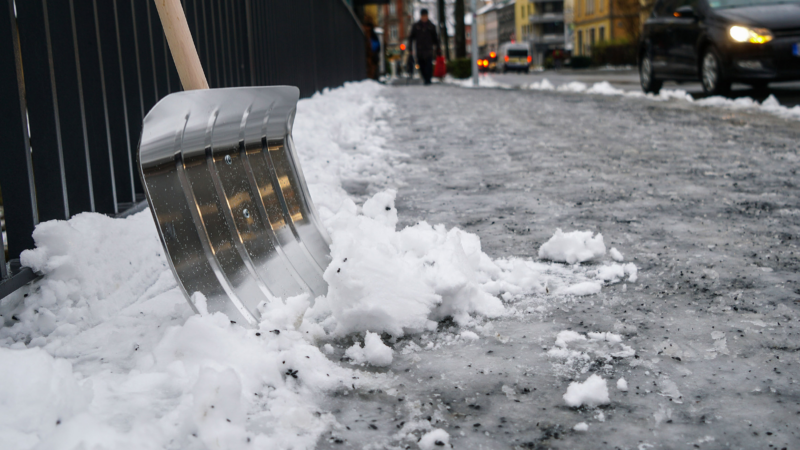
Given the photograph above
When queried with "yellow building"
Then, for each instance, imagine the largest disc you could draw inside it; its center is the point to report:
(597, 21)
(524, 9)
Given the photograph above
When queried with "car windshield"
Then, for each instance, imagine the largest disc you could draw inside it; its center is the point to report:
(719, 4)
(516, 53)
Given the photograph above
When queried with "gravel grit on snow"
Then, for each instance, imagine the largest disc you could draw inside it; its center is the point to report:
(105, 351)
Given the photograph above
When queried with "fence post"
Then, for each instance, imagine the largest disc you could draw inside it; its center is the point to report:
(16, 170)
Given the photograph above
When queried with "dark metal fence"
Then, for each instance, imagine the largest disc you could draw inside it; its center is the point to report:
(78, 76)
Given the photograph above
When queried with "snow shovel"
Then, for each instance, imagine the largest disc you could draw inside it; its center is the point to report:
(225, 187)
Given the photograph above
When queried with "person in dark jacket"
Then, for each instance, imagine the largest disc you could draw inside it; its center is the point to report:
(423, 33)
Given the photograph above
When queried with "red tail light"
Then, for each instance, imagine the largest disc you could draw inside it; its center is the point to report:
(492, 55)
(506, 58)
(403, 47)
(530, 59)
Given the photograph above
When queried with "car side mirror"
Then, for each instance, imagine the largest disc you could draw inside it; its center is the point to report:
(685, 12)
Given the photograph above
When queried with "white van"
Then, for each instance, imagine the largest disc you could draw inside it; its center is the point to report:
(514, 56)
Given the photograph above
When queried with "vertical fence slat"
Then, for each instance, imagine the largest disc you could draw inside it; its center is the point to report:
(145, 53)
(157, 51)
(16, 170)
(130, 76)
(116, 108)
(91, 88)
(66, 84)
(48, 159)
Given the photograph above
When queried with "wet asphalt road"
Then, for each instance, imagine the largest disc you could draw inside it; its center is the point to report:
(704, 201)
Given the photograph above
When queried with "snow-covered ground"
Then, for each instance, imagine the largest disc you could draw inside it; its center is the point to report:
(104, 351)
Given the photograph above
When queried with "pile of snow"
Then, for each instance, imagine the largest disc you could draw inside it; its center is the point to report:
(573, 247)
(105, 351)
(592, 392)
(770, 105)
(622, 385)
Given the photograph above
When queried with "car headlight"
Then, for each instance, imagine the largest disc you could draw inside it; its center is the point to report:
(752, 35)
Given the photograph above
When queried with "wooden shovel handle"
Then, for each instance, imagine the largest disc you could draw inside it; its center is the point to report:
(181, 44)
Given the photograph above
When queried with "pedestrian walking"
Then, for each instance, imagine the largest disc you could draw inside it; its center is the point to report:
(423, 34)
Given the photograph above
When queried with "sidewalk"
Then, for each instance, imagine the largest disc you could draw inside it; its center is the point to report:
(701, 200)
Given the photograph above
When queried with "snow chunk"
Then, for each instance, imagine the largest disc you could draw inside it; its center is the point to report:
(37, 392)
(567, 336)
(622, 385)
(381, 208)
(614, 273)
(616, 255)
(592, 392)
(469, 335)
(581, 289)
(581, 427)
(434, 440)
(608, 337)
(374, 352)
(573, 247)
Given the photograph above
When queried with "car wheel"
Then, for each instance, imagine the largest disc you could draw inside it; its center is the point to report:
(647, 78)
(712, 75)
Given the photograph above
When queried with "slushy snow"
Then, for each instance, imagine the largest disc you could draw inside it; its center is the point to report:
(583, 426)
(592, 392)
(573, 247)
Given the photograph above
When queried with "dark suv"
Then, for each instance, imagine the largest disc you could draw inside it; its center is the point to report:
(719, 42)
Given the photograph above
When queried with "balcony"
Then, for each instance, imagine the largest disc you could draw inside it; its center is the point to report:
(546, 18)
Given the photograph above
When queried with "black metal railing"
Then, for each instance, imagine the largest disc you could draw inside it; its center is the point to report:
(78, 76)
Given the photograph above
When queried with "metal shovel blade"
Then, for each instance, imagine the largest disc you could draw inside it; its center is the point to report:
(229, 199)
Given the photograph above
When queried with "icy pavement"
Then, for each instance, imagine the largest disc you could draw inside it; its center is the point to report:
(703, 200)
(663, 315)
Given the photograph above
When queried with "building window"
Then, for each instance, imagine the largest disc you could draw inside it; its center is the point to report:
(392, 8)
(589, 7)
(580, 41)
(601, 5)
(393, 33)
(591, 40)
(602, 36)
